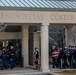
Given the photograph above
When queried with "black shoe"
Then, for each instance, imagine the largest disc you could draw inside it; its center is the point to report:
(11, 67)
(1, 68)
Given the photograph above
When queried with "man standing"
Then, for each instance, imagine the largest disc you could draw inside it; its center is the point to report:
(55, 55)
(75, 58)
(66, 57)
(0, 58)
(61, 57)
(71, 50)
(4, 59)
(12, 57)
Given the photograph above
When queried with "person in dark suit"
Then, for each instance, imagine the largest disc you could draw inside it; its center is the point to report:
(36, 58)
(12, 57)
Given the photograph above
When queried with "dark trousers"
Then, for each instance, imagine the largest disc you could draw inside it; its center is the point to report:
(55, 63)
(71, 62)
(75, 62)
(4, 64)
(66, 63)
(12, 64)
(61, 63)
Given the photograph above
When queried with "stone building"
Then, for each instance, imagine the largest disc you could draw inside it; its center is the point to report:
(16, 17)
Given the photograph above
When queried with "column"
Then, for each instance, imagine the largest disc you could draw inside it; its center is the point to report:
(36, 40)
(4, 43)
(69, 35)
(25, 45)
(44, 49)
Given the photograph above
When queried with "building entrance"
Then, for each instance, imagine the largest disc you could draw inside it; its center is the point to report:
(11, 36)
(17, 47)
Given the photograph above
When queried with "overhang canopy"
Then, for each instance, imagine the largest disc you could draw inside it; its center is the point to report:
(38, 5)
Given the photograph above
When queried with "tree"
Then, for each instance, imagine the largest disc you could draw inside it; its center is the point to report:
(52, 42)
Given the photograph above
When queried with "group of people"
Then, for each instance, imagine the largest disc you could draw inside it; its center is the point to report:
(64, 58)
(7, 58)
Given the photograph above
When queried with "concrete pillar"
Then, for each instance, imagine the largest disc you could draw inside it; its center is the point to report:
(4, 44)
(69, 35)
(36, 40)
(25, 45)
(44, 49)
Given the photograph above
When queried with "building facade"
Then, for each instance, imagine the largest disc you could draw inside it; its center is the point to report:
(26, 13)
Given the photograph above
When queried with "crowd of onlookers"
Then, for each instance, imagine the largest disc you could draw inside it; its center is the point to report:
(64, 58)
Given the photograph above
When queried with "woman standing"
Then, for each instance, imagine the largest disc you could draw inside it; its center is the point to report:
(36, 58)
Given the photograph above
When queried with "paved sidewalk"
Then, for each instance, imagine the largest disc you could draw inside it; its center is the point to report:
(21, 71)
(17, 70)
(29, 71)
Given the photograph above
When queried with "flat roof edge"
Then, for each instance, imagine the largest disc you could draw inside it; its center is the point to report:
(38, 9)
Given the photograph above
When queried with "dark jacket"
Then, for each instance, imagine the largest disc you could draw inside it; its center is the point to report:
(12, 54)
(4, 55)
(74, 53)
(61, 54)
